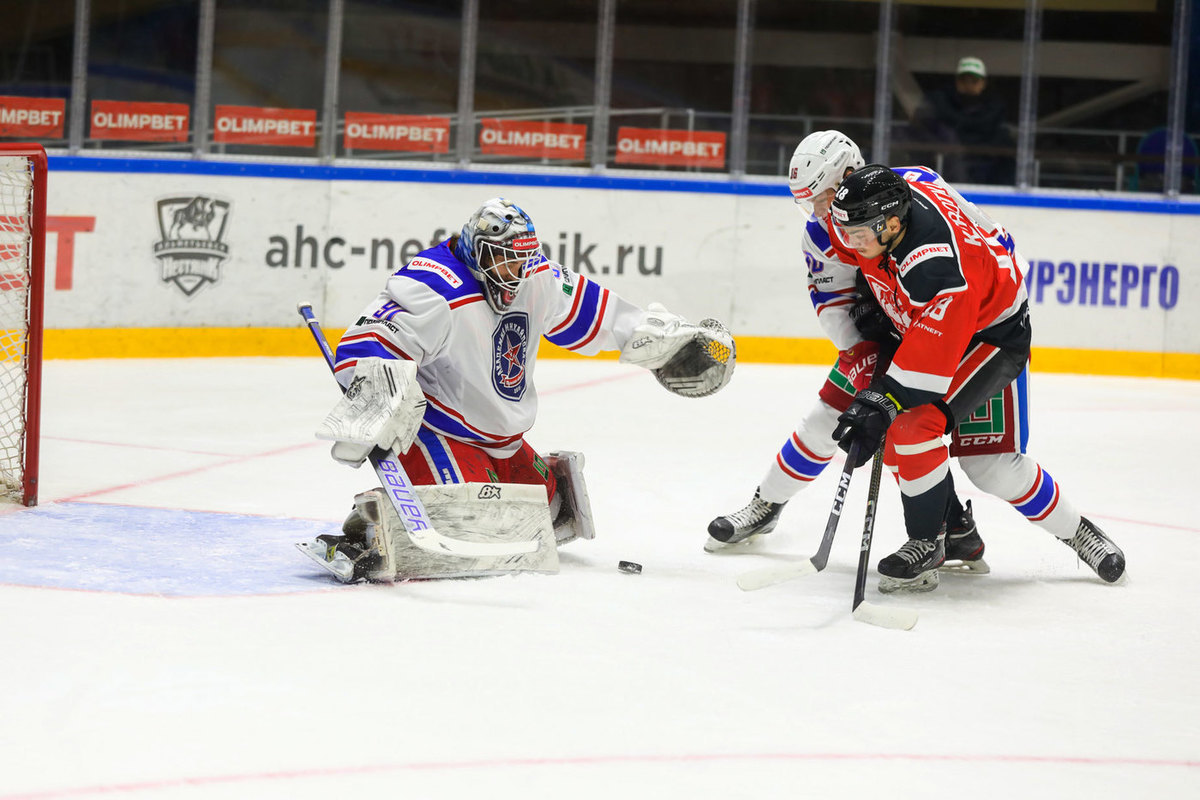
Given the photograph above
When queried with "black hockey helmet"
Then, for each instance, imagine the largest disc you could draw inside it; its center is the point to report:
(868, 197)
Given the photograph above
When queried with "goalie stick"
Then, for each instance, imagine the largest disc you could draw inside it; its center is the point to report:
(769, 576)
(401, 493)
(883, 616)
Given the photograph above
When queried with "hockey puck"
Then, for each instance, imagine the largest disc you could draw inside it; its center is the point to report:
(631, 567)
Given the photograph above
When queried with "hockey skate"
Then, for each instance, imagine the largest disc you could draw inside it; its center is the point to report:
(964, 545)
(743, 527)
(1097, 551)
(349, 557)
(914, 567)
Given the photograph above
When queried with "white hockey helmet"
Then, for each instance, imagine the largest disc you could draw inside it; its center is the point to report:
(498, 244)
(820, 163)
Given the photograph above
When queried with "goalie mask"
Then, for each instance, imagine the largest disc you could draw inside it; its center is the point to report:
(819, 163)
(498, 244)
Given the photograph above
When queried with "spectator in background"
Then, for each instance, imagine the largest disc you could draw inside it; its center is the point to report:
(970, 116)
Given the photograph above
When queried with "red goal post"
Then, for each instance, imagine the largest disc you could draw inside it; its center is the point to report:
(22, 286)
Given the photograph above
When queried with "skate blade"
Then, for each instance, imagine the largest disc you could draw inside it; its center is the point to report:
(340, 567)
(925, 582)
(717, 546)
(976, 567)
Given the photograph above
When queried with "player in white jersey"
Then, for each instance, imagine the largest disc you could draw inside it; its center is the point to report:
(449, 348)
(857, 327)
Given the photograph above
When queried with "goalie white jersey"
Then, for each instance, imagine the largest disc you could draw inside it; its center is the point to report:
(476, 366)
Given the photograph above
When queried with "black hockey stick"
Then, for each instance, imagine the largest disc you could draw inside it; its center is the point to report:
(403, 495)
(769, 576)
(883, 616)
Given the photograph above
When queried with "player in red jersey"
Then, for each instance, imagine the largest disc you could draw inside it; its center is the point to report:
(954, 290)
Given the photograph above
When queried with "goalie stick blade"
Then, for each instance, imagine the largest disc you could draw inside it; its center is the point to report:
(900, 619)
(762, 578)
(438, 543)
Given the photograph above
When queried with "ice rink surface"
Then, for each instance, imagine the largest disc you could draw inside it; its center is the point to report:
(162, 638)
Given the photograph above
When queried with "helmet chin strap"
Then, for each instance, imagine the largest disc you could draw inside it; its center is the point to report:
(895, 240)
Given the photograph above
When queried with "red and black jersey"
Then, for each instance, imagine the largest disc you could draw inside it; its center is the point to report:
(947, 280)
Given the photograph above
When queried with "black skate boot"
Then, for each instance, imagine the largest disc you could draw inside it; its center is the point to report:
(914, 567)
(964, 545)
(759, 517)
(349, 557)
(1097, 551)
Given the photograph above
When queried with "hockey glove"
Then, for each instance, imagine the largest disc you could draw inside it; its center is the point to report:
(873, 323)
(866, 421)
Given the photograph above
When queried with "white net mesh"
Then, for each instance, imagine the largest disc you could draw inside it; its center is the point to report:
(16, 191)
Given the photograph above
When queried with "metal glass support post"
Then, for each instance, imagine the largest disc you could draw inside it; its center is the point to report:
(202, 99)
(83, 17)
(740, 124)
(466, 81)
(333, 71)
(1173, 168)
(1027, 116)
(602, 99)
(881, 135)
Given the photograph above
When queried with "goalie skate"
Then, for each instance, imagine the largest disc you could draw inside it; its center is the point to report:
(348, 562)
(353, 556)
(964, 546)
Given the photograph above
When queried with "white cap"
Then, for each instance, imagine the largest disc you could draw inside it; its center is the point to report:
(969, 65)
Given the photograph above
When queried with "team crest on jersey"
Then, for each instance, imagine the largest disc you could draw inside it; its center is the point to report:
(510, 347)
(886, 299)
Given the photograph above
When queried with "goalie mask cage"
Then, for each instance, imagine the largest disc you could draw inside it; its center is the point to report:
(22, 255)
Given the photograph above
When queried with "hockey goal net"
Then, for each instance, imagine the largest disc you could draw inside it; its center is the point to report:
(22, 254)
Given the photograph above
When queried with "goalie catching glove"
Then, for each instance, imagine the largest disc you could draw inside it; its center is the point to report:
(383, 407)
(689, 360)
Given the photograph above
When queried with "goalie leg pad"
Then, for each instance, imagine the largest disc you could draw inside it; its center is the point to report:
(482, 512)
(573, 517)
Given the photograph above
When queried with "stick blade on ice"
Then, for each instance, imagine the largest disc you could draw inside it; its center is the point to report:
(901, 619)
(769, 576)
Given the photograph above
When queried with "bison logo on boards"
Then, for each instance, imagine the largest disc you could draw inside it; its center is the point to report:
(191, 245)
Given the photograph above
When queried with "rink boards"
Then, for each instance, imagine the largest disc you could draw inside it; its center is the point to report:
(154, 257)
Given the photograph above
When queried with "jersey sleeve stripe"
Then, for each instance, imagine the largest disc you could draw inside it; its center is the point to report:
(818, 234)
(919, 381)
(587, 313)
(464, 301)
(599, 319)
(826, 299)
(580, 291)
(367, 344)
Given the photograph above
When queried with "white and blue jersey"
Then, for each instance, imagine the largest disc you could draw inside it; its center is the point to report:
(476, 366)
